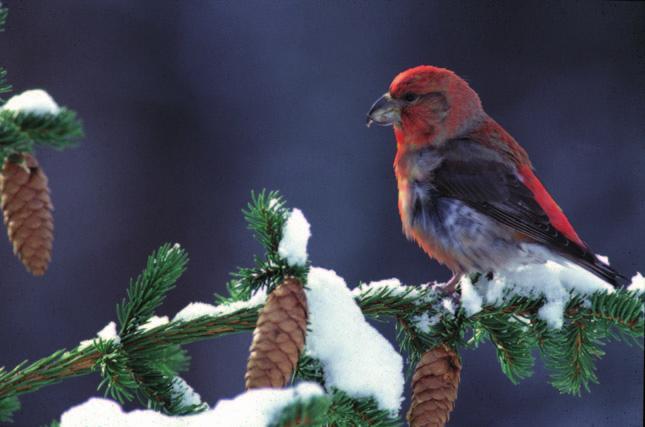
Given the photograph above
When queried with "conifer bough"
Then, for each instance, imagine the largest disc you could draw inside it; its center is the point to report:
(26, 120)
(144, 358)
(144, 362)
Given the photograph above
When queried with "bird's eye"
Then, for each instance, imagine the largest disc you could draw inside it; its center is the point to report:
(410, 97)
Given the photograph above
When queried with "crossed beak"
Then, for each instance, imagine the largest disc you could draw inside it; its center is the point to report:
(385, 111)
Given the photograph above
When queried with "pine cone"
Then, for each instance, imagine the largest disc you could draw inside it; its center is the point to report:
(279, 337)
(27, 209)
(434, 387)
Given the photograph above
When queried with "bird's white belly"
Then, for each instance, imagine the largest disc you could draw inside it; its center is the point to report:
(475, 241)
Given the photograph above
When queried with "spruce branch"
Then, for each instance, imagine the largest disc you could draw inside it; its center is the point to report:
(4, 86)
(310, 412)
(12, 139)
(156, 388)
(344, 410)
(171, 359)
(3, 16)
(49, 370)
(152, 378)
(7, 408)
(513, 345)
(61, 365)
(146, 361)
(411, 341)
(348, 411)
(20, 132)
(309, 369)
(149, 289)
(266, 215)
(59, 131)
(117, 378)
(394, 302)
(571, 352)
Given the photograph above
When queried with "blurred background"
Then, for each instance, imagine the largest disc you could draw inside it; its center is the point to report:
(188, 106)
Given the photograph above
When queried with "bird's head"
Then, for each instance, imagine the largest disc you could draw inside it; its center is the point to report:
(427, 104)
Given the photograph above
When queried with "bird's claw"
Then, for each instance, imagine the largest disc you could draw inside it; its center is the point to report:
(449, 287)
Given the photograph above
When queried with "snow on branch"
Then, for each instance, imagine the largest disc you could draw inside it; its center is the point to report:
(35, 101)
(195, 310)
(257, 408)
(637, 284)
(108, 333)
(555, 282)
(355, 357)
(34, 118)
(295, 235)
(153, 322)
(187, 395)
(556, 308)
(361, 371)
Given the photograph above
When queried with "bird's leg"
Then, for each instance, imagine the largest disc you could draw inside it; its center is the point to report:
(450, 286)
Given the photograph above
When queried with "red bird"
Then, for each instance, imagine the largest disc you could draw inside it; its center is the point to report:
(467, 192)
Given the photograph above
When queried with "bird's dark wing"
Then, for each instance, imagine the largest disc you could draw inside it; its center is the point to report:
(480, 178)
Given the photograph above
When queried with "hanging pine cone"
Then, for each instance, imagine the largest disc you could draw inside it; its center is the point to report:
(27, 209)
(279, 337)
(434, 388)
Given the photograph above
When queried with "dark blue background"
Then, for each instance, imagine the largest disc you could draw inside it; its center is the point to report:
(189, 105)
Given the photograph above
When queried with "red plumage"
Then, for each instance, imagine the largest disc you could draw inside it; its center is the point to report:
(467, 191)
(557, 217)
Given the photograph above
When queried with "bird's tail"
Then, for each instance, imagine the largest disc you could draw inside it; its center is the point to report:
(591, 263)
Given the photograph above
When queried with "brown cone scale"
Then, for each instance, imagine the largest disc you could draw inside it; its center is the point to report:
(434, 387)
(27, 209)
(279, 337)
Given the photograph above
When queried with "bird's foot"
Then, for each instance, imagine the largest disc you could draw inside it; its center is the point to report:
(450, 287)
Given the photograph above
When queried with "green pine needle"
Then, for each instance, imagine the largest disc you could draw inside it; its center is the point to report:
(3, 16)
(513, 346)
(311, 412)
(347, 411)
(20, 132)
(570, 353)
(117, 379)
(170, 360)
(149, 289)
(145, 364)
(153, 369)
(4, 86)
(8, 406)
(265, 216)
(155, 372)
(12, 138)
(58, 131)
(344, 410)
(309, 369)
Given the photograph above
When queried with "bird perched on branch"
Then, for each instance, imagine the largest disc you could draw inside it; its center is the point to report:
(467, 191)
